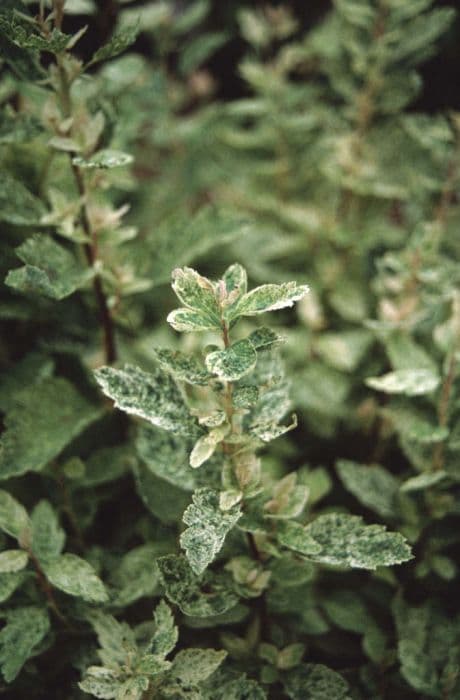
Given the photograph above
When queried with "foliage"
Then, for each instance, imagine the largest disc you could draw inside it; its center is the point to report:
(168, 527)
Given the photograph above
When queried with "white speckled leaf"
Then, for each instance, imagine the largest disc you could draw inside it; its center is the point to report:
(104, 160)
(411, 382)
(193, 666)
(76, 577)
(151, 395)
(24, 630)
(50, 269)
(198, 293)
(182, 366)
(45, 418)
(208, 527)
(234, 362)
(268, 297)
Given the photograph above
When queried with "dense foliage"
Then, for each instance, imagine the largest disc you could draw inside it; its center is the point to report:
(169, 527)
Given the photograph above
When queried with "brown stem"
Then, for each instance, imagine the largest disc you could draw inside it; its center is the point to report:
(46, 588)
(91, 252)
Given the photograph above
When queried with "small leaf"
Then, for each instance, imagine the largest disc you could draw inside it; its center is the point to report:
(182, 367)
(166, 633)
(12, 560)
(411, 382)
(117, 44)
(10, 582)
(193, 666)
(188, 321)
(245, 396)
(104, 160)
(24, 630)
(263, 338)
(233, 362)
(268, 432)
(116, 639)
(268, 297)
(294, 536)
(208, 527)
(48, 537)
(205, 446)
(197, 293)
(423, 481)
(101, 682)
(13, 516)
(76, 577)
(151, 395)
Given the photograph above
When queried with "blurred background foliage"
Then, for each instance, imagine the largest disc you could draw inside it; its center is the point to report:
(311, 141)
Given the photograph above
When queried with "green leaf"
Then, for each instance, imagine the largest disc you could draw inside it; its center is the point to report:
(30, 370)
(411, 382)
(208, 527)
(117, 44)
(181, 366)
(182, 587)
(294, 536)
(116, 639)
(137, 575)
(150, 395)
(13, 516)
(264, 338)
(104, 160)
(13, 560)
(423, 481)
(315, 682)
(165, 501)
(24, 630)
(76, 577)
(48, 538)
(50, 269)
(45, 418)
(10, 582)
(101, 682)
(17, 205)
(166, 633)
(193, 666)
(344, 540)
(233, 362)
(372, 485)
(268, 297)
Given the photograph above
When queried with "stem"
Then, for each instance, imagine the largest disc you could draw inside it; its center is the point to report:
(46, 588)
(91, 247)
(229, 449)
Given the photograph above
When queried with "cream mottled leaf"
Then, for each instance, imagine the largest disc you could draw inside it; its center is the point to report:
(268, 297)
(118, 43)
(193, 666)
(151, 395)
(264, 338)
(208, 527)
(45, 418)
(245, 396)
(12, 560)
(183, 587)
(76, 577)
(411, 382)
(101, 682)
(234, 362)
(315, 682)
(294, 536)
(189, 320)
(345, 540)
(104, 160)
(198, 293)
(48, 537)
(166, 633)
(182, 366)
(206, 445)
(13, 516)
(24, 630)
(50, 269)
(374, 486)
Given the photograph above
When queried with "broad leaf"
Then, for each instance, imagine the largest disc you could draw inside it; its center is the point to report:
(411, 382)
(208, 527)
(18, 205)
(48, 537)
(76, 577)
(24, 630)
(372, 485)
(193, 666)
(315, 682)
(12, 560)
(13, 516)
(45, 418)
(117, 44)
(197, 293)
(166, 633)
(182, 366)
(151, 395)
(268, 297)
(233, 362)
